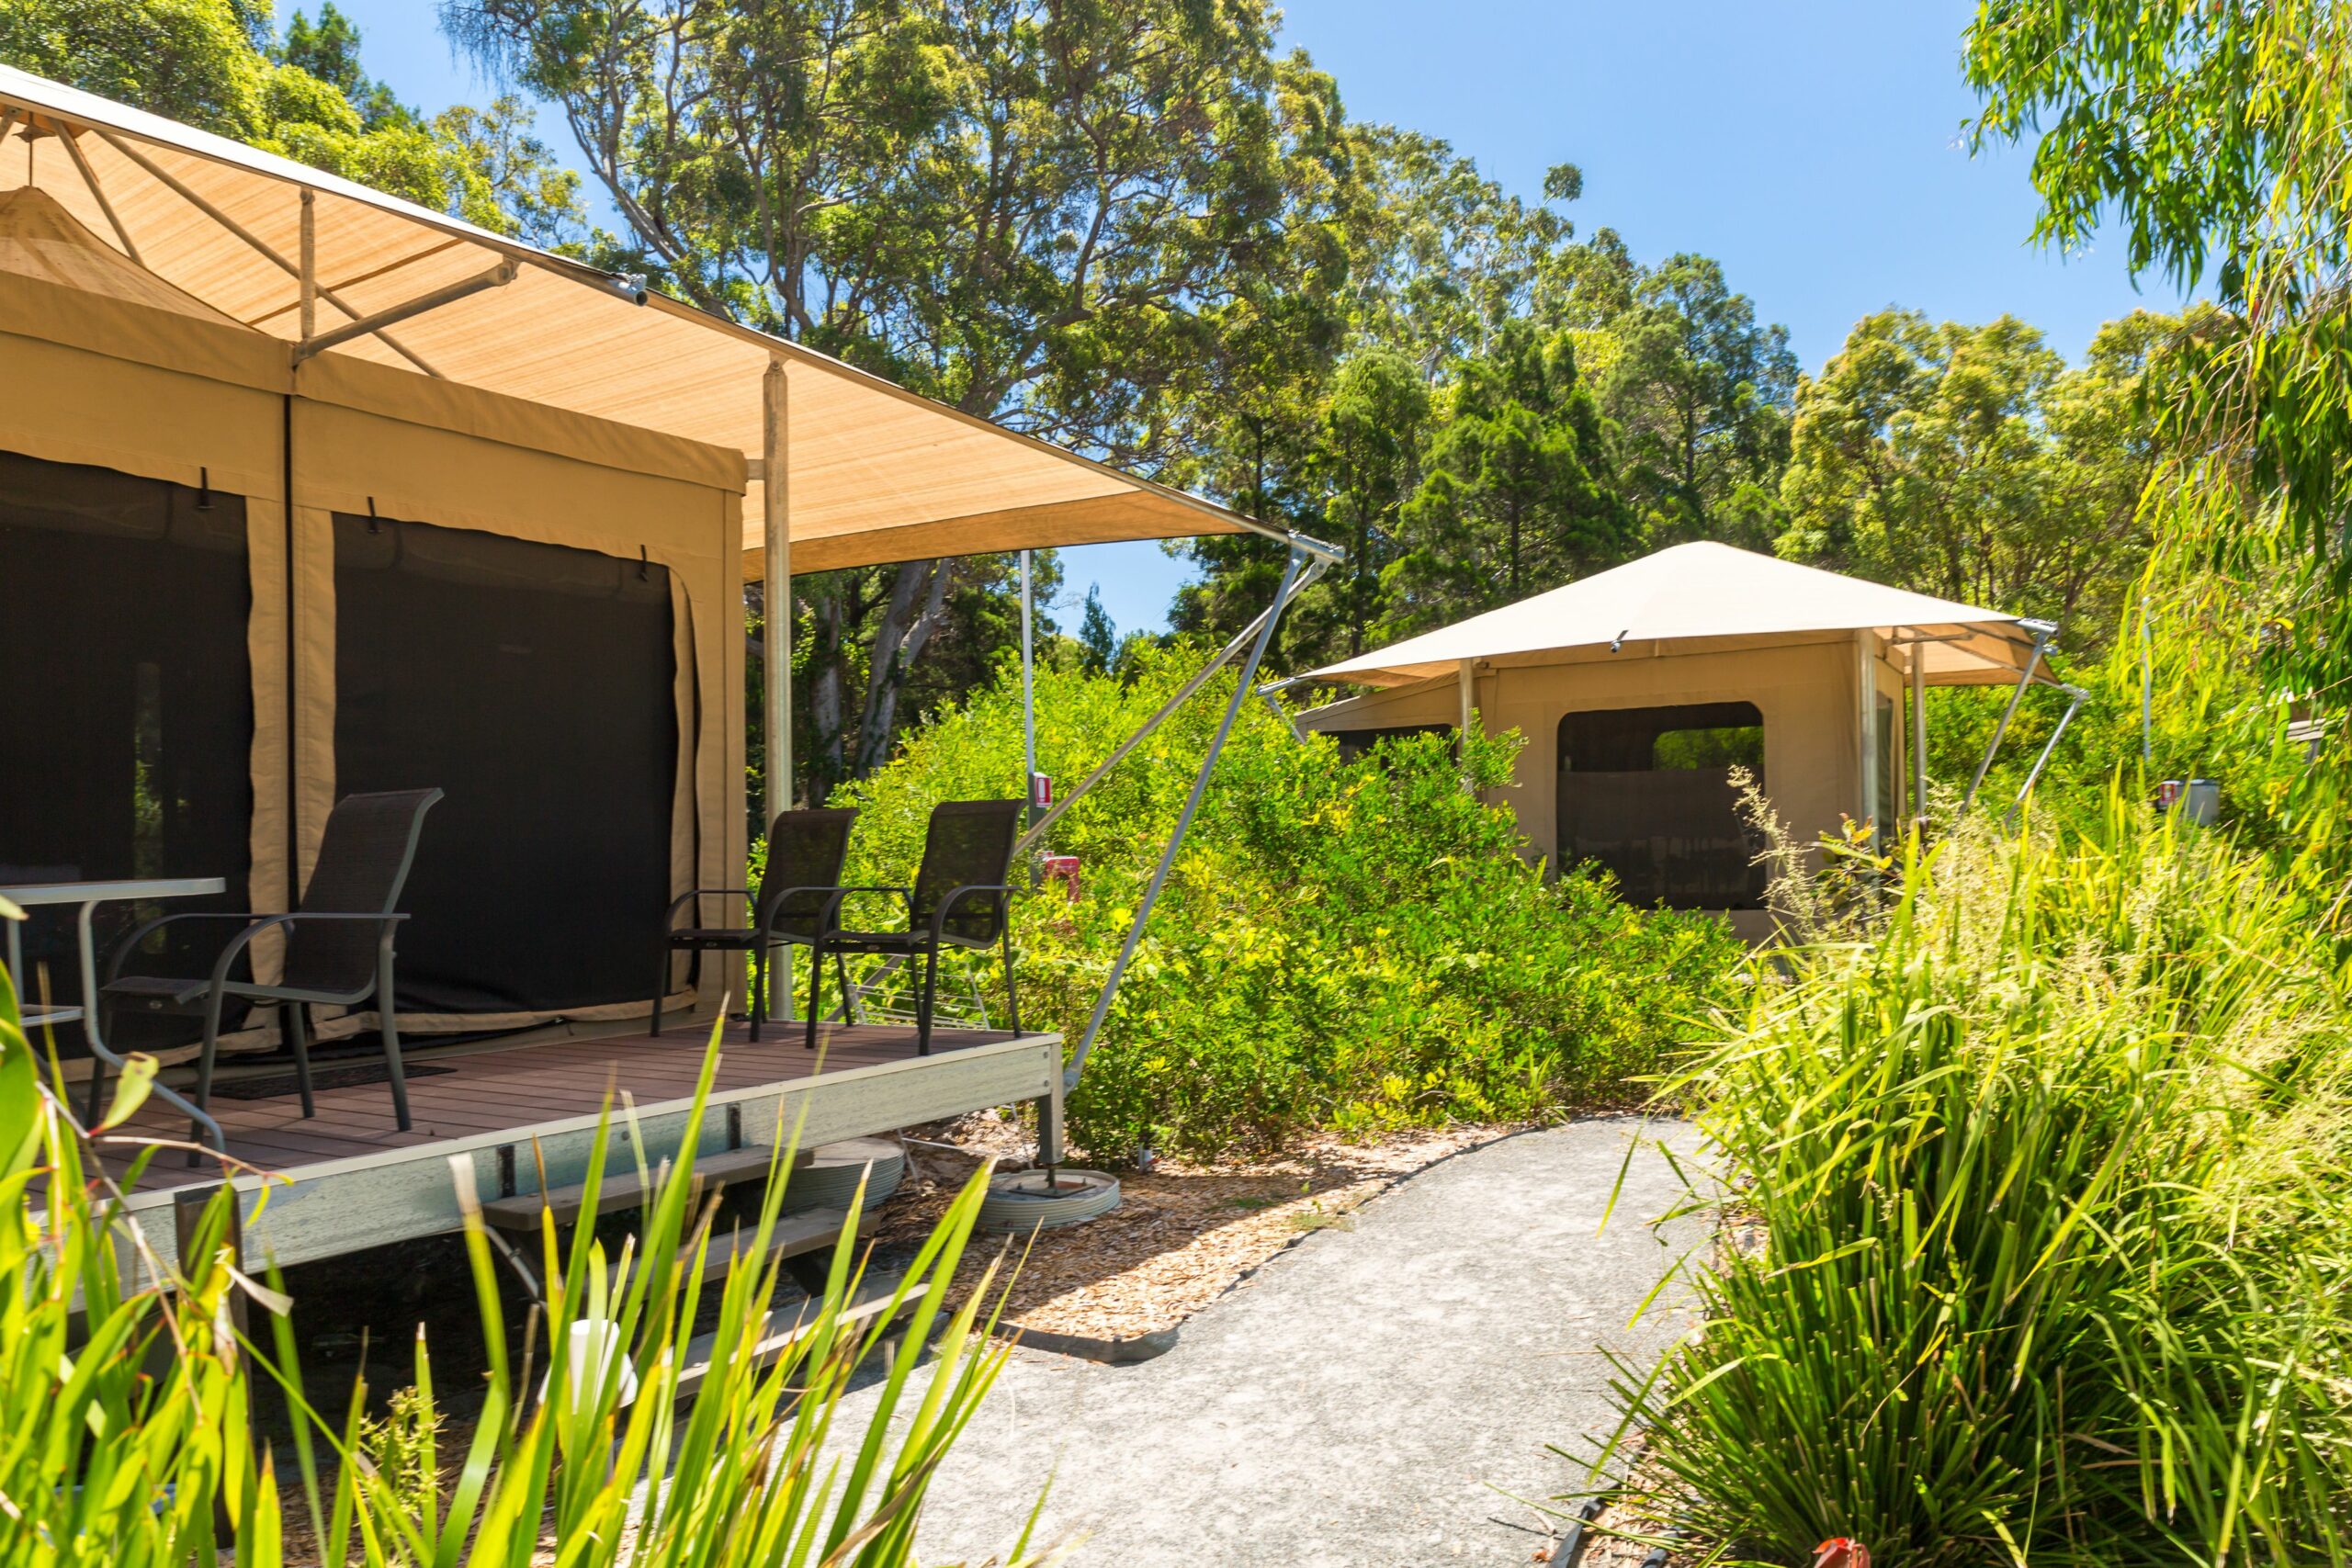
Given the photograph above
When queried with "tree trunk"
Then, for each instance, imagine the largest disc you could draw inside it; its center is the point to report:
(914, 612)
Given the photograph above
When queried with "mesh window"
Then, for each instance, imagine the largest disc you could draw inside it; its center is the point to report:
(534, 683)
(126, 713)
(1647, 793)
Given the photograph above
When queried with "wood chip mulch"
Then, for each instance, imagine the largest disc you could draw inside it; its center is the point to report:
(1182, 1236)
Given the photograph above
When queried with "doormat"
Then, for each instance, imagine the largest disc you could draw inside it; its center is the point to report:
(279, 1084)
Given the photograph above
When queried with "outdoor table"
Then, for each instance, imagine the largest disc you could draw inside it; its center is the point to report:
(89, 896)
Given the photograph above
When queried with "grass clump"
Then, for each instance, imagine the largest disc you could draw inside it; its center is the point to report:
(133, 1399)
(1342, 944)
(2052, 1176)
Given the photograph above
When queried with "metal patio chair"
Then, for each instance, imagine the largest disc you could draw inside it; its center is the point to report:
(338, 946)
(962, 897)
(805, 850)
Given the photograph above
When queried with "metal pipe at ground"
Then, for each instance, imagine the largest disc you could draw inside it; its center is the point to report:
(1317, 565)
(2074, 700)
(2043, 632)
(1283, 595)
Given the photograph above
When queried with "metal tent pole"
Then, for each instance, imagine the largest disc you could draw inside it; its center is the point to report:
(775, 594)
(1299, 555)
(775, 604)
(1919, 732)
(2043, 632)
(2075, 695)
(1028, 697)
(1323, 555)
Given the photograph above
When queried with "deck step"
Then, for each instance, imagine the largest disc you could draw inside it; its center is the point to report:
(794, 1236)
(697, 1367)
(622, 1189)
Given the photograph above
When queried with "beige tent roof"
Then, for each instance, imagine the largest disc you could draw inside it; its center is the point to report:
(877, 473)
(1710, 595)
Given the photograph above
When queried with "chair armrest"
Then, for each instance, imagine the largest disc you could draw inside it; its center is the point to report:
(670, 922)
(832, 911)
(939, 915)
(825, 917)
(141, 932)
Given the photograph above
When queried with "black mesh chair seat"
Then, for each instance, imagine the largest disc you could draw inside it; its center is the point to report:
(806, 853)
(338, 944)
(715, 936)
(962, 897)
(165, 993)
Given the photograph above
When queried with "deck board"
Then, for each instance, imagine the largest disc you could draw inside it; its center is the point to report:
(519, 1086)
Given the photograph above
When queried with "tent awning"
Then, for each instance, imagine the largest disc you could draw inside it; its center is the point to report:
(1706, 595)
(876, 472)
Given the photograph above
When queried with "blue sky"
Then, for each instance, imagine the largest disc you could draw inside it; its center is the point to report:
(1813, 146)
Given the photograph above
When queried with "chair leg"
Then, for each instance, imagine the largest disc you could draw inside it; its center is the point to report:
(389, 1031)
(661, 987)
(759, 1007)
(204, 1070)
(1011, 998)
(924, 1001)
(99, 1072)
(841, 979)
(815, 991)
(298, 1040)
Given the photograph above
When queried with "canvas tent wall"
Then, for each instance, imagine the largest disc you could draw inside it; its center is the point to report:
(533, 609)
(1636, 689)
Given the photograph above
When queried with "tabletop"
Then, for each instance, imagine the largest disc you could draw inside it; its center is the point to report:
(32, 893)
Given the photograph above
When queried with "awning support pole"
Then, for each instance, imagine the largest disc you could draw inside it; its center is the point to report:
(1316, 566)
(98, 193)
(308, 306)
(2075, 695)
(776, 598)
(1298, 557)
(448, 294)
(775, 609)
(1028, 698)
(180, 188)
(1919, 733)
(2043, 632)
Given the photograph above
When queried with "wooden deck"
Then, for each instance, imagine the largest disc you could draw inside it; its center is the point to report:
(349, 1179)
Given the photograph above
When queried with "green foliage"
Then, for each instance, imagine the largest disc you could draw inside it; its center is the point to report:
(2050, 1188)
(1516, 497)
(213, 64)
(2211, 133)
(1702, 394)
(1340, 944)
(1970, 463)
(132, 1400)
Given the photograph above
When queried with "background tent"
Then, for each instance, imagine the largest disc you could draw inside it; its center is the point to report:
(1639, 689)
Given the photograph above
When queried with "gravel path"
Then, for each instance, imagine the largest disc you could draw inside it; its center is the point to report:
(1366, 1399)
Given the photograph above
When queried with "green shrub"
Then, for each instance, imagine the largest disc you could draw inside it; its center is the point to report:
(1353, 945)
(2053, 1181)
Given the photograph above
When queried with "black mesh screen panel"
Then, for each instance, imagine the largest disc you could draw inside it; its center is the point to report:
(1648, 794)
(126, 707)
(535, 684)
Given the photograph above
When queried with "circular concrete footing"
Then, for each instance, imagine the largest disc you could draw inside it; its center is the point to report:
(827, 1177)
(1021, 1202)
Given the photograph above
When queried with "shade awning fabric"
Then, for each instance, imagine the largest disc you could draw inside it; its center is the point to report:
(876, 473)
(1706, 595)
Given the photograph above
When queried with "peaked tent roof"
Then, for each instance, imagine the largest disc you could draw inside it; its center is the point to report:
(1710, 593)
(877, 473)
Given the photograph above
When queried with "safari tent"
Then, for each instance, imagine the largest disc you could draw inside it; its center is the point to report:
(307, 491)
(1640, 689)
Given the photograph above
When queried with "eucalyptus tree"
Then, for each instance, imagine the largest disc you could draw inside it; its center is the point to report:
(1701, 391)
(1035, 212)
(2209, 134)
(1518, 492)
